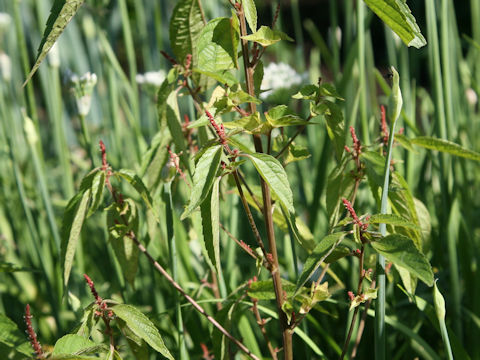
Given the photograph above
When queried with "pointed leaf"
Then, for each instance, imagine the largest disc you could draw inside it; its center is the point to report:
(281, 115)
(266, 36)
(142, 327)
(71, 343)
(445, 146)
(137, 183)
(185, 26)
(215, 49)
(211, 224)
(203, 178)
(71, 227)
(397, 15)
(323, 249)
(250, 13)
(98, 185)
(61, 13)
(401, 250)
(274, 175)
(392, 219)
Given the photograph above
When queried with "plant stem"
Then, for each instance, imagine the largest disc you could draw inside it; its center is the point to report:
(267, 204)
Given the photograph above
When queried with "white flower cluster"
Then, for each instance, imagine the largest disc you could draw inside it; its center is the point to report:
(82, 89)
(153, 78)
(278, 76)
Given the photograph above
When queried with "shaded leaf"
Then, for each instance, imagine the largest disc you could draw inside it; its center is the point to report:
(137, 183)
(203, 178)
(339, 185)
(281, 115)
(266, 36)
(397, 15)
(142, 327)
(211, 224)
(6, 267)
(264, 290)
(335, 124)
(12, 337)
(61, 13)
(98, 185)
(401, 250)
(323, 249)
(250, 13)
(392, 219)
(185, 26)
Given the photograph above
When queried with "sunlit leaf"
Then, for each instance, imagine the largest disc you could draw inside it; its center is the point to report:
(266, 36)
(445, 146)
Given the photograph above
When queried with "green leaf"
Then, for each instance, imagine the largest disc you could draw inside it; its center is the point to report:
(88, 322)
(215, 49)
(138, 347)
(258, 77)
(360, 299)
(439, 303)
(392, 219)
(307, 92)
(274, 175)
(340, 185)
(121, 220)
(142, 327)
(266, 36)
(61, 13)
(72, 223)
(281, 115)
(250, 13)
(70, 344)
(137, 183)
(374, 166)
(323, 249)
(317, 294)
(223, 77)
(203, 178)
(264, 290)
(397, 15)
(210, 212)
(297, 153)
(11, 336)
(251, 123)
(98, 185)
(154, 160)
(185, 26)
(445, 146)
(401, 250)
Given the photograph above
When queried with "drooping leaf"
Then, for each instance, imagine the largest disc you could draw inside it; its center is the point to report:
(281, 115)
(137, 183)
(61, 13)
(401, 250)
(266, 36)
(397, 15)
(138, 347)
(211, 224)
(72, 223)
(98, 185)
(323, 249)
(274, 175)
(250, 13)
(185, 26)
(339, 185)
(142, 327)
(70, 344)
(445, 146)
(215, 49)
(87, 322)
(121, 220)
(154, 160)
(203, 178)
(335, 124)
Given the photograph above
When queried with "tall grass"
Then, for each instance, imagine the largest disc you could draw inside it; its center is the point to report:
(43, 159)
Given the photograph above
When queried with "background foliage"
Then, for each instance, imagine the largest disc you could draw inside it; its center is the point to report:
(43, 160)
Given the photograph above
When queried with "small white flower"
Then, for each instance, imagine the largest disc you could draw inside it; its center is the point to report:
(54, 56)
(472, 97)
(82, 89)
(279, 76)
(5, 67)
(153, 78)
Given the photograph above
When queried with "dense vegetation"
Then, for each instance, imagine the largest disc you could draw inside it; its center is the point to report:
(170, 187)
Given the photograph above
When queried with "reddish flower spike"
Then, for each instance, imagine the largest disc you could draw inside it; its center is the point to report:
(37, 348)
(351, 296)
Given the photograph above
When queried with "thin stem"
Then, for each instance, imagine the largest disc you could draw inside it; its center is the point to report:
(361, 326)
(86, 138)
(261, 323)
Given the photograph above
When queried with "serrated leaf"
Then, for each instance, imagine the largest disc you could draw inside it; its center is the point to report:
(215, 49)
(266, 36)
(401, 250)
(72, 223)
(210, 211)
(392, 219)
(250, 13)
(203, 178)
(274, 175)
(185, 26)
(397, 15)
(70, 344)
(142, 327)
(323, 249)
(61, 13)
(121, 220)
(281, 115)
(98, 185)
(445, 146)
